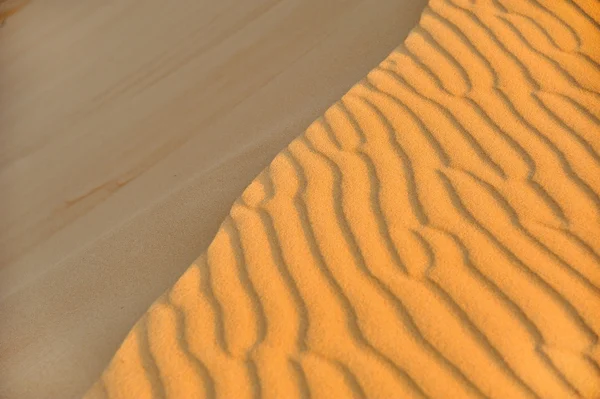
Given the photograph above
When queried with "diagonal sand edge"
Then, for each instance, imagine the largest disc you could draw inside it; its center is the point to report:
(91, 265)
(435, 234)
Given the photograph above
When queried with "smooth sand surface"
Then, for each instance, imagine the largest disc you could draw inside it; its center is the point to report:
(127, 130)
(435, 234)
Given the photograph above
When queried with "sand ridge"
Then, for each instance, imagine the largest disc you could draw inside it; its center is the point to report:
(435, 234)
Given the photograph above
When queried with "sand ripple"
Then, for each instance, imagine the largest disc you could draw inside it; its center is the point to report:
(435, 234)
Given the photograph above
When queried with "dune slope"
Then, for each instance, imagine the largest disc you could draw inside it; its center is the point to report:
(435, 234)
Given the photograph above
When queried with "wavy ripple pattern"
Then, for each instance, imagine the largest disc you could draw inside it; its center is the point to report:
(435, 234)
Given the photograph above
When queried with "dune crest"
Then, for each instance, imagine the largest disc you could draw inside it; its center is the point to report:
(435, 234)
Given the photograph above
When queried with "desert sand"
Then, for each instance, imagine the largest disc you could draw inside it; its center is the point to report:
(434, 234)
(127, 130)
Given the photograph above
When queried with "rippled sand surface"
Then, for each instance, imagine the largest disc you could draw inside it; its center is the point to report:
(435, 234)
(127, 130)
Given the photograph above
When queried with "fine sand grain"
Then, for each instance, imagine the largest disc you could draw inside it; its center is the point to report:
(127, 130)
(435, 234)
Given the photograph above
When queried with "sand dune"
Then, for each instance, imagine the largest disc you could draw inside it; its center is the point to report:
(434, 234)
(127, 130)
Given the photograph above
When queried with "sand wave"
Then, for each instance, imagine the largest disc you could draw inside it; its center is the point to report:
(435, 234)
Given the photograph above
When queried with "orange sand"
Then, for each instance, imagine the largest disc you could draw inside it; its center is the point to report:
(436, 234)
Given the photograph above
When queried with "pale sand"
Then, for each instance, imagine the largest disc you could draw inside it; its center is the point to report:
(436, 234)
(94, 94)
